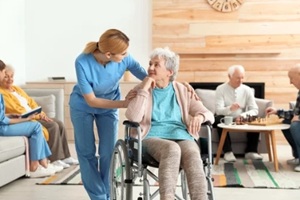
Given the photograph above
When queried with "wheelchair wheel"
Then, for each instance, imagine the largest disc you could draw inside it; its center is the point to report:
(120, 173)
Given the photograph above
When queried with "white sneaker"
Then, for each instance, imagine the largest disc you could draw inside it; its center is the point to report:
(61, 163)
(253, 156)
(229, 157)
(71, 161)
(42, 172)
(55, 168)
(297, 168)
(294, 161)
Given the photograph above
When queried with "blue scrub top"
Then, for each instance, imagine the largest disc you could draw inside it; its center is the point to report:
(102, 80)
(4, 121)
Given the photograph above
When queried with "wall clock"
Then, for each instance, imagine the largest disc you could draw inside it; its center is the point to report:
(225, 5)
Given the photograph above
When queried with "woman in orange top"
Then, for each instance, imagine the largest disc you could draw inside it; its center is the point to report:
(17, 101)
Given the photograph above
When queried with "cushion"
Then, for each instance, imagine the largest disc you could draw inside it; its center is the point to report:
(47, 103)
(292, 104)
(262, 105)
(208, 98)
(11, 147)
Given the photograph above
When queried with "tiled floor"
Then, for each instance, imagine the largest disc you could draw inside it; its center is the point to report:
(26, 189)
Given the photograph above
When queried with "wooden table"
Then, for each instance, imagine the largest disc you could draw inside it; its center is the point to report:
(268, 130)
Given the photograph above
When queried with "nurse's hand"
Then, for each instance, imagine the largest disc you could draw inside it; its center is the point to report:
(131, 94)
(191, 89)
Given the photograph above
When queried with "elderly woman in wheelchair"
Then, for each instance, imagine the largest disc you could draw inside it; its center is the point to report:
(170, 118)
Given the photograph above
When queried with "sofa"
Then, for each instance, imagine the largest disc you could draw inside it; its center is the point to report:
(14, 160)
(238, 140)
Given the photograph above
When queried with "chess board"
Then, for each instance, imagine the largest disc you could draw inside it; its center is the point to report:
(270, 120)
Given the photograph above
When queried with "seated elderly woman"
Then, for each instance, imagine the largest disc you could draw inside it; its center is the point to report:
(13, 125)
(170, 118)
(17, 101)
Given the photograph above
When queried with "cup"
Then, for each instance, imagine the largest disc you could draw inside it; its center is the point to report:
(227, 120)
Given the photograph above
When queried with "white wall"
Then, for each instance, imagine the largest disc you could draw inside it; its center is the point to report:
(52, 33)
(12, 35)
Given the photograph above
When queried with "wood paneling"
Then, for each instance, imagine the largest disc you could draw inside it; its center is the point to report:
(263, 36)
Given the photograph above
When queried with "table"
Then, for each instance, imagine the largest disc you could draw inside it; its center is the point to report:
(268, 130)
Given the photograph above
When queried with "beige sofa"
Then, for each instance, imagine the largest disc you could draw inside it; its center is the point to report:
(238, 139)
(13, 154)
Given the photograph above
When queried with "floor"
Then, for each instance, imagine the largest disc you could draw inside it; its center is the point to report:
(26, 189)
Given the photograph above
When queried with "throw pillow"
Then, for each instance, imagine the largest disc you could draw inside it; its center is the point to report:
(292, 104)
(262, 105)
(47, 103)
(208, 98)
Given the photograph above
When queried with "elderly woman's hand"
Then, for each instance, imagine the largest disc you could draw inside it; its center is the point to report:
(13, 115)
(148, 83)
(195, 125)
(45, 117)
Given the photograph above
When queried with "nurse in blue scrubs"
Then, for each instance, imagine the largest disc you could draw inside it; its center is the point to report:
(96, 99)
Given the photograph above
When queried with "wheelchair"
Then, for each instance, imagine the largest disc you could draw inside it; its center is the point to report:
(129, 168)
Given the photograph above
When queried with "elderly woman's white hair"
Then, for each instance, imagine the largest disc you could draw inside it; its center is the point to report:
(9, 68)
(233, 68)
(170, 57)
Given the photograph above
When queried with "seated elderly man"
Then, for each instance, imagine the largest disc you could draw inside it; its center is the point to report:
(170, 118)
(235, 99)
(18, 102)
(292, 134)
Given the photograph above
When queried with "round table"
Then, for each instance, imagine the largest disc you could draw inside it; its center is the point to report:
(268, 130)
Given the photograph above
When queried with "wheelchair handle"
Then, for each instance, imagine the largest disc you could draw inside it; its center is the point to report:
(131, 124)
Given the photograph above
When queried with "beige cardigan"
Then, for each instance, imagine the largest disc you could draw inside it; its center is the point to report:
(140, 108)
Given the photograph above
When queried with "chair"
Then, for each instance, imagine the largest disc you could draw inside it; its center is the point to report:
(129, 163)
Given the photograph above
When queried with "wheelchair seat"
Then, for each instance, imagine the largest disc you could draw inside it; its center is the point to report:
(147, 159)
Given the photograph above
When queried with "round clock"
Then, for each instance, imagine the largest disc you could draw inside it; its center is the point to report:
(225, 5)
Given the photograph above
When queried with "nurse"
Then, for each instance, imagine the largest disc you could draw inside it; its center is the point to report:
(96, 99)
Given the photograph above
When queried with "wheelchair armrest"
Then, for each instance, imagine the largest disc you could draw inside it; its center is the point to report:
(134, 125)
(207, 123)
(131, 124)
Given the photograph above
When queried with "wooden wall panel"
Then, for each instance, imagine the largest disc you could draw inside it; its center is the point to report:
(263, 36)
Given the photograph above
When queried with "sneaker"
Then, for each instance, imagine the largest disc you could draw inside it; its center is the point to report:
(297, 168)
(61, 163)
(294, 161)
(229, 157)
(71, 161)
(253, 156)
(42, 172)
(56, 168)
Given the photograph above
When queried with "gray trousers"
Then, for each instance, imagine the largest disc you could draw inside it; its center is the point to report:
(57, 140)
(172, 155)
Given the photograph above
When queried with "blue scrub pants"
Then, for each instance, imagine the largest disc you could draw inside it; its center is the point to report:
(38, 146)
(292, 135)
(95, 182)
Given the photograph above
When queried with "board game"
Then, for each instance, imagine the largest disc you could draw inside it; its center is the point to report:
(269, 120)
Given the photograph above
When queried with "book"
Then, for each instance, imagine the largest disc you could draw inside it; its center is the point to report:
(33, 111)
